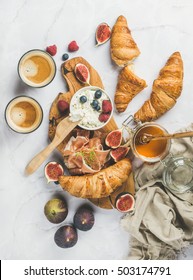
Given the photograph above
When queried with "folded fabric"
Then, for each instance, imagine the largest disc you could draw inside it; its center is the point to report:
(162, 223)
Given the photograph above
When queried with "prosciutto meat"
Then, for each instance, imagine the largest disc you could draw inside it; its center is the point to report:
(83, 155)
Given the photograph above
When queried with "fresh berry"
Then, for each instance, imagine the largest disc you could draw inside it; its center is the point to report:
(94, 104)
(62, 106)
(72, 47)
(98, 108)
(52, 50)
(65, 56)
(83, 99)
(103, 117)
(98, 94)
(106, 106)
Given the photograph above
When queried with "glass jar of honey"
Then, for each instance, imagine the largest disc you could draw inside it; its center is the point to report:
(177, 173)
(154, 150)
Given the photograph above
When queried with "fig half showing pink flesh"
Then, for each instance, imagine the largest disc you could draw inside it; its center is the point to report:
(53, 170)
(103, 33)
(119, 153)
(125, 202)
(82, 73)
(114, 138)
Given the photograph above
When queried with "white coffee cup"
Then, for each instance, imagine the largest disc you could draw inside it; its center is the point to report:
(23, 114)
(36, 68)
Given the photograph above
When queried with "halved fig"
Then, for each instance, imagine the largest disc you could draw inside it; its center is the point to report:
(103, 33)
(125, 202)
(53, 170)
(114, 138)
(82, 73)
(119, 153)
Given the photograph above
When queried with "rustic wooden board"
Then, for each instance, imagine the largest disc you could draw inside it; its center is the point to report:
(67, 69)
(55, 117)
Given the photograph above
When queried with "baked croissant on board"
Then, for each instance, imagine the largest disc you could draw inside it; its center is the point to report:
(128, 86)
(166, 89)
(100, 184)
(122, 45)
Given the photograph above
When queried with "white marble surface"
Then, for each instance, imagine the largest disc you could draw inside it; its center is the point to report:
(159, 28)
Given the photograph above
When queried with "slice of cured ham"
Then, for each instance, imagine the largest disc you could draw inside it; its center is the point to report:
(83, 155)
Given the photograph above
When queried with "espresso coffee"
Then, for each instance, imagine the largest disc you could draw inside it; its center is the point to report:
(36, 68)
(23, 114)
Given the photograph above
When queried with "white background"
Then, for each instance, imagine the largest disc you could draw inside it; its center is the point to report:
(115, 269)
(159, 28)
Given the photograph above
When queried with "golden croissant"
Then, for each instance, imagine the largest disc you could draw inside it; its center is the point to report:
(128, 86)
(166, 89)
(122, 45)
(100, 184)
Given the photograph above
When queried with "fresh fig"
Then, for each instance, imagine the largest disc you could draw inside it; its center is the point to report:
(103, 33)
(84, 218)
(53, 170)
(66, 236)
(124, 202)
(119, 153)
(114, 138)
(56, 210)
(82, 73)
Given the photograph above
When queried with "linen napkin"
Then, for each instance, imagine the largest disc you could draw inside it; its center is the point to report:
(162, 223)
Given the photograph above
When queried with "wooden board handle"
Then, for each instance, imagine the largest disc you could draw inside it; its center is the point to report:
(35, 163)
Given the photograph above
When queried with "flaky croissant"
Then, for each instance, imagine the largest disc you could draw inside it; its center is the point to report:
(122, 45)
(166, 89)
(128, 86)
(100, 184)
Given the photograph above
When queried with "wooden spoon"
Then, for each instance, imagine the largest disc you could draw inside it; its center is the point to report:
(62, 130)
(145, 138)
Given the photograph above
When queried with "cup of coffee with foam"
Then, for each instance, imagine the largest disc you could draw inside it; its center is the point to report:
(36, 68)
(23, 114)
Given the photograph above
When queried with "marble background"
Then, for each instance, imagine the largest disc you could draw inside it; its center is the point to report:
(159, 28)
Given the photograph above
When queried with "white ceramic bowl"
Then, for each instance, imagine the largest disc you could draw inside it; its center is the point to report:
(90, 116)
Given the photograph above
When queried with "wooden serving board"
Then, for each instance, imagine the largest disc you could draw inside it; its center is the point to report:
(55, 116)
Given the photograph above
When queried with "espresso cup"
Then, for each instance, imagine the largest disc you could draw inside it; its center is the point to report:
(36, 68)
(23, 114)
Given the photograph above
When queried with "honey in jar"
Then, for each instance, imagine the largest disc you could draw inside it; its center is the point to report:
(154, 150)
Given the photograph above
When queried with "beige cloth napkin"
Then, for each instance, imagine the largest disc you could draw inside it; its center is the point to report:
(162, 223)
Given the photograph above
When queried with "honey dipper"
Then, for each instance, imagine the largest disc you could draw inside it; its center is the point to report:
(145, 138)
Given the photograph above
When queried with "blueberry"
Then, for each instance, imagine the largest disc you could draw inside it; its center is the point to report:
(83, 99)
(98, 108)
(98, 94)
(94, 104)
(65, 56)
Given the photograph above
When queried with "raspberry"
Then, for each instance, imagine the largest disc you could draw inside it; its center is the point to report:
(103, 117)
(72, 47)
(62, 106)
(106, 106)
(52, 50)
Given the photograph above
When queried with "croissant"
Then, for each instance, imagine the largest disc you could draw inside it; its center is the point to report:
(166, 89)
(101, 184)
(128, 86)
(123, 47)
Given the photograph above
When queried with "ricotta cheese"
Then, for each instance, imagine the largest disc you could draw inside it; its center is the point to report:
(89, 116)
